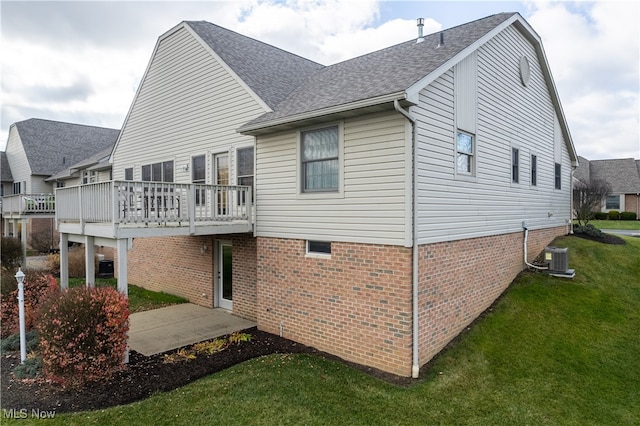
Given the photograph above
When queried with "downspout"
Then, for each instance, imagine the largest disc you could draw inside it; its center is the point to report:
(415, 364)
(570, 221)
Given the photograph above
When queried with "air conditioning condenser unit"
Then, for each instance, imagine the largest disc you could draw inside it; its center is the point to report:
(557, 259)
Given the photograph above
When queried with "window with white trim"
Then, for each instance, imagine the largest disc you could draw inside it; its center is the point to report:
(558, 176)
(515, 165)
(319, 155)
(244, 173)
(199, 175)
(128, 173)
(17, 188)
(612, 202)
(534, 170)
(464, 153)
(318, 247)
(158, 172)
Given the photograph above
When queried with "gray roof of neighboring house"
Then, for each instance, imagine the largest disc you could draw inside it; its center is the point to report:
(99, 158)
(384, 72)
(52, 146)
(5, 170)
(622, 174)
(272, 73)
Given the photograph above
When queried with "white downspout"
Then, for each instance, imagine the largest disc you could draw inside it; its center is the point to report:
(526, 262)
(573, 169)
(415, 364)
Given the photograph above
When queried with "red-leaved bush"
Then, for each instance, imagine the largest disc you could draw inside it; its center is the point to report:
(38, 287)
(83, 335)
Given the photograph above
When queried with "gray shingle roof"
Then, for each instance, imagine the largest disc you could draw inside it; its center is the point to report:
(622, 174)
(270, 72)
(380, 73)
(97, 158)
(5, 170)
(52, 146)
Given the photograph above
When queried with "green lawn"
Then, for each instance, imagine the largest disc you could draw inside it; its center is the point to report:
(139, 298)
(632, 225)
(552, 351)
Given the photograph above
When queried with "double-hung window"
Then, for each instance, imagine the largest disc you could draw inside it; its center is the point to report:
(612, 202)
(128, 173)
(320, 160)
(16, 188)
(515, 165)
(245, 169)
(199, 175)
(534, 170)
(464, 153)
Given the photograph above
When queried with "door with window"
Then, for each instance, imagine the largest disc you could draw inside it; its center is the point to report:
(221, 177)
(224, 279)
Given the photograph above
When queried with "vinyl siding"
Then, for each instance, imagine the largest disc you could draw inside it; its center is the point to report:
(39, 186)
(508, 114)
(187, 105)
(17, 158)
(371, 208)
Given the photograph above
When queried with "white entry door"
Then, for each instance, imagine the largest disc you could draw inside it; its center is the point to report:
(224, 282)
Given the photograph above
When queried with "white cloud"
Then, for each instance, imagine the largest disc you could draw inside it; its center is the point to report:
(594, 53)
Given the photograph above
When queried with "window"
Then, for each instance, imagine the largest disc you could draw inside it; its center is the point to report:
(128, 173)
(464, 150)
(59, 184)
(318, 247)
(515, 165)
(558, 176)
(89, 177)
(158, 172)
(198, 175)
(613, 202)
(16, 188)
(534, 170)
(245, 169)
(319, 157)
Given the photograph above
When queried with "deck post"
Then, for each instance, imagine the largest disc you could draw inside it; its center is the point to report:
(64, 261)
(23, 236)
(90, 261)
(122, 246)
(6, 227)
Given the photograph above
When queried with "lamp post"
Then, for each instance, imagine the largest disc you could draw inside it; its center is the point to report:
(23, 337)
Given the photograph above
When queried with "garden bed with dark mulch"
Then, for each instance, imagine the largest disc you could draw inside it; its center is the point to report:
(145, 376)
(605, 238)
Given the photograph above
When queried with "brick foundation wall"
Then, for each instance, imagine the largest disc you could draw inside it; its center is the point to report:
(177, 265)
(458, 280)
(356, 304)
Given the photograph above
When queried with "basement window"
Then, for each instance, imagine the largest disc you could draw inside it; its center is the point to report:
(318, 247)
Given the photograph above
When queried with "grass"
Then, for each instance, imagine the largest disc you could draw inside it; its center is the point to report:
(139, 298)
(552, 351)
(629, 225)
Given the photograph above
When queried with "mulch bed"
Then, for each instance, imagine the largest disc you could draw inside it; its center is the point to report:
(606, 238)
(145, 376)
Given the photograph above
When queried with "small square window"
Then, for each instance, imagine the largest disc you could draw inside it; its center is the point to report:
(318, 247)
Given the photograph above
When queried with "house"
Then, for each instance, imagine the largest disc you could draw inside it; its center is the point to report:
(37, 149)
(622, 174)
(371, 209)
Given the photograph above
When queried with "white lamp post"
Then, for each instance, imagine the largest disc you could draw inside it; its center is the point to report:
(23, 337)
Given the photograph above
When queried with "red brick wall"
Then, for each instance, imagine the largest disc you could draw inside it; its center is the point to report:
(356, 305)
(631, 203)
(177, 265)
(458, 280)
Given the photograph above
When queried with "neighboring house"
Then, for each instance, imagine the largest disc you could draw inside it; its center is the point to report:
(372, 208)
(94, 169)
(37, 149)
(6, 178)
(623, 175)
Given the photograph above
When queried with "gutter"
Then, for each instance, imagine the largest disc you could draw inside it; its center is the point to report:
(415, 364)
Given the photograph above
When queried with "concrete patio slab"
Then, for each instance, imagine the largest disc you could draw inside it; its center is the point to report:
(164, 329)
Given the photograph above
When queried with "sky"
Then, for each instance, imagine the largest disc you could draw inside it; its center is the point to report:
(81, 62)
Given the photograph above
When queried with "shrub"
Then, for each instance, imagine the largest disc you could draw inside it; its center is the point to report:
(83, 335)
(589, 230)
(12, 343)
(601, 216)
(628, 216)
(614, 215)
(11, 253)
(38, 287)
(31, 368)
(42, 241)
(76, 262)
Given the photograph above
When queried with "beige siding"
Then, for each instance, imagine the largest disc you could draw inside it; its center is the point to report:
(371, 208)
(39, 186)
(187, 105)
(508, 114)
(17, 158)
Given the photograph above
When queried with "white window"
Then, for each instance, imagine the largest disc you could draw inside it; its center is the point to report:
(320, 160)
(16, 188)
(244, 171)
(464, 153)
(89, 176)
(558, 176)
(318, 247)
(199, 175)
(515, 165)
(158, 172)
(534, 170)
(128, 173)
(613, 202)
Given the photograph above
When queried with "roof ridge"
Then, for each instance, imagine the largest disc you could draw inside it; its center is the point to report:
(66, 123)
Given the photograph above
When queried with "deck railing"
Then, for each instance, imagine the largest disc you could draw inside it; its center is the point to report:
(28, 204)
(153, 203)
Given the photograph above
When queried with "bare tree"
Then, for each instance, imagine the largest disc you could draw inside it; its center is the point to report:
(587, 196)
